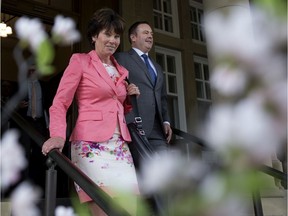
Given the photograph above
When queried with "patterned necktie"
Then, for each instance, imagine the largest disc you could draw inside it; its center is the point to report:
(150, 69)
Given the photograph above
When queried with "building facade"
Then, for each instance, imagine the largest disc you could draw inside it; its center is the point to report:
(179, 45)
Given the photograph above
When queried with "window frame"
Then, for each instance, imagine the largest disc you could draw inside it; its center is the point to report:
(174, 16)
(179, 82)
(197, 6)
(202, 61)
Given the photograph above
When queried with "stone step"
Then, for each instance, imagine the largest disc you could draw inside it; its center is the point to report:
(5, 208)
(274, 202)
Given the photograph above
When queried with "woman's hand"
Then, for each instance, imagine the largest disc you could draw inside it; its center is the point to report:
(132, 89)
(52, 143)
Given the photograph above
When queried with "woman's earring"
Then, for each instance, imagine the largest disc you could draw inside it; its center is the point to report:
(93, 41)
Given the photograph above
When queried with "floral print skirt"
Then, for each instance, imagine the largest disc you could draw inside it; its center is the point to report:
(109, 164)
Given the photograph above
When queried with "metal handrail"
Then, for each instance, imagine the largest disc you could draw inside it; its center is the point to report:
(274, 172)
(106, 203)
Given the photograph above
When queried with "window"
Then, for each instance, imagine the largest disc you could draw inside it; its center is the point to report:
(196, 15)
(170, 61)
(166, 17)
(203, 90)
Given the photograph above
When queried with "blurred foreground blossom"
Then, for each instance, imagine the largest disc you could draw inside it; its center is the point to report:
(244, 126)
(163, 172)
(229, 81)
(64, 31)
(30, 32)
(12, 159)
(32, 36)
(24, 200)
(247, 122)
(34, 39)
(64, 211)
(253, 42)
(250, 65)
(193, 186)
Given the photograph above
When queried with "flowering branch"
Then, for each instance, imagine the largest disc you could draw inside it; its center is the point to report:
(32, 37)
(246, 125)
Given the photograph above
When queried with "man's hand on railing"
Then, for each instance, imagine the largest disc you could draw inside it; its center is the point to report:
(53, 143)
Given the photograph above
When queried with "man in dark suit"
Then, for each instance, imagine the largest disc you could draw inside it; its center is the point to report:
(34, 110)
(148, 76)
(152, 102)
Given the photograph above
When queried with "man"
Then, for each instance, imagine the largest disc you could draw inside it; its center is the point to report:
(34, 111)
(152, 102)
(148, 76)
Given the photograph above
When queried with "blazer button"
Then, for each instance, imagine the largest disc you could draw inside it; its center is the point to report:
(114, 97)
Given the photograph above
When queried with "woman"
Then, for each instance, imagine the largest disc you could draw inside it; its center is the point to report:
(99, 139)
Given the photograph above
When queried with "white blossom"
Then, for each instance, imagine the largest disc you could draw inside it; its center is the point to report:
(229, 81)
(64, 30)
(246, 126)
(255, 128)
(24, 199)
(227, 32)
(64, 211)
(269, 65)
(213, 188)
(170, 171)
(158, 172)
(31, 31)
(249, 38)
(12, 158)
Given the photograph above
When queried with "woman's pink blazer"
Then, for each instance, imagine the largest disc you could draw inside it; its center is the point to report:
(100, 102)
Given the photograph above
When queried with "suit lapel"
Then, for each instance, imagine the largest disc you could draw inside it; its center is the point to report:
(141, 64)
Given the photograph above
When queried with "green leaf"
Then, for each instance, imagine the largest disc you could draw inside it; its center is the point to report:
(132, 204)
(277, 8)
(80, 208)
(44, 58)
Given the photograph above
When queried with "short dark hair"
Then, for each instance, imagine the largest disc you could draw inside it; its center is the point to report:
(133, 28)
(104, 18)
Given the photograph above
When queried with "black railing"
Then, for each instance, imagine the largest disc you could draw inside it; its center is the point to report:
(256, 198)
(102, 199)
(275, 173)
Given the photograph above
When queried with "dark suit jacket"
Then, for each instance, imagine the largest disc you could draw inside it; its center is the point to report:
(152, 100)
(45, 106)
